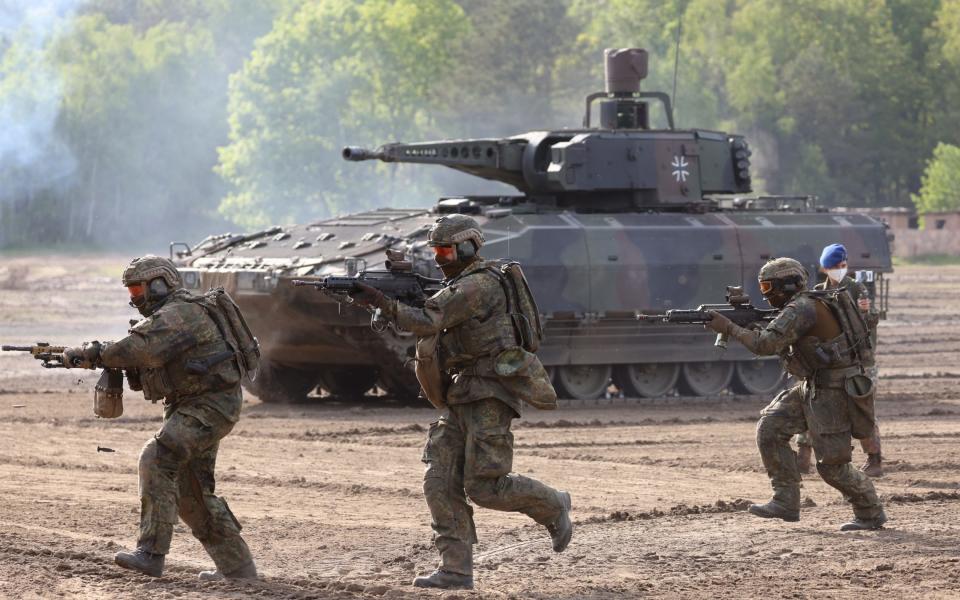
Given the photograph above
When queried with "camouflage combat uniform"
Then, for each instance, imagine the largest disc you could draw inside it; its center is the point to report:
(177, 465)
(857, 290)
(469, 450)
(818, 403)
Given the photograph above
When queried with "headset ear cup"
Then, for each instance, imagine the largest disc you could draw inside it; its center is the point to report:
(158, 288)
(466, 250)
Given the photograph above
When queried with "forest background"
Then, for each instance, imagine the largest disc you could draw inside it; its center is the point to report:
(128, 123)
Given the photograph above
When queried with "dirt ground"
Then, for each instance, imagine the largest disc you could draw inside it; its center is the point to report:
(329, 494)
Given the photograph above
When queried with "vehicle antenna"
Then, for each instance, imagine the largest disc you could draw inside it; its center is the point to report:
(676, 57)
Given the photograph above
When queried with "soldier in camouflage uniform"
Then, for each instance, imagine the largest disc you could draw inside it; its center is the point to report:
(177, 464)
(469, 450)
(811, 341)
(833, 263)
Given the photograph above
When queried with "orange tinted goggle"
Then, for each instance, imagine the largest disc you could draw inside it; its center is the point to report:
(447, 252)
(766, 287)
(135, 290)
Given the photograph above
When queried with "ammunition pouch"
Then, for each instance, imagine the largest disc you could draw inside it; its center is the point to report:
(834, 378)
(156, 384)
(108, 394)
(860, 390)
(433, 381)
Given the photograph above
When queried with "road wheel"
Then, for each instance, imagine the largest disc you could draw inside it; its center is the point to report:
(348, 382)
(582, 382)
(649, 380)
(281, 384)
(758, 377)
(705, 378)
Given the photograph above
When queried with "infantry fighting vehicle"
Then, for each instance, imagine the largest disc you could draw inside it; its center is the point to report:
(613, 219)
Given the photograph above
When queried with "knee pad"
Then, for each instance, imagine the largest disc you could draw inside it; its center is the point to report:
(767, 431)
(148, 455)
(482, 491)
(829, 472)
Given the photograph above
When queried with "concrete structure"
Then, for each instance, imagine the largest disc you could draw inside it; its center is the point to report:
(940, 235)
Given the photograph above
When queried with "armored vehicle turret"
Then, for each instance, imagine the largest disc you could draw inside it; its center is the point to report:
(611, 220)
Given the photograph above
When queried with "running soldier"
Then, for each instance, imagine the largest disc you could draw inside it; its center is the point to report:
(189, 351)
(469, 331)
(819, 337)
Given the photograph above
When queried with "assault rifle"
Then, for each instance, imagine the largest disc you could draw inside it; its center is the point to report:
(738, 309)
(51, 357)
(107, 393)
(399, 281)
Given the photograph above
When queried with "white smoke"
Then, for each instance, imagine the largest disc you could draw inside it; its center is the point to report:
(32, 156)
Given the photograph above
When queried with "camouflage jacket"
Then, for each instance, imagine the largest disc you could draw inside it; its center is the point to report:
(470, 315)
(159, 347)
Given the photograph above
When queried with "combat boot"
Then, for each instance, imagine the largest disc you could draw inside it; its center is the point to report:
(873, 467)
(445, 580)
(248, 571)
(861, 524)
(142, 561)
(774, 510)
(561, 530)
(805, 459)
(785, 504)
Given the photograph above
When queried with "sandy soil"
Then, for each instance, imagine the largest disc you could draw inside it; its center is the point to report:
(329, 494)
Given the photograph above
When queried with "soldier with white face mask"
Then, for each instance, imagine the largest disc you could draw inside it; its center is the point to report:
(833, 264)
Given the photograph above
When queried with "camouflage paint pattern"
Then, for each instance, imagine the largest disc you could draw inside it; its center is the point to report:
(857, 290)
(469, 454)
(818, 405)
(177, 465)
(158, 346)
(469, 450)
(471, 317)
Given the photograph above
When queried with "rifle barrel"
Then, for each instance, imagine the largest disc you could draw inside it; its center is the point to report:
(7, 348)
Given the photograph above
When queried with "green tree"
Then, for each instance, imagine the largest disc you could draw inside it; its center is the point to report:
(330, 74)
(941, 181)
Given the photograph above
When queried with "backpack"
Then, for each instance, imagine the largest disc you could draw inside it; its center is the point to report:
(521, 306)
(226, 314)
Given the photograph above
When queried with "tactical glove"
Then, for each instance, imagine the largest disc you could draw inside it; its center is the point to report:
(718, 323)
(86, 356)
(369, 296)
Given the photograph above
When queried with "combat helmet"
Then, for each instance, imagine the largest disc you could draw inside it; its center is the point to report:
(451, 230)
(150, 280)
(784, 276)
(455, 240)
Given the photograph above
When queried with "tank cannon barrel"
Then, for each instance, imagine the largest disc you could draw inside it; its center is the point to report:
(495, 159)
(356, 153)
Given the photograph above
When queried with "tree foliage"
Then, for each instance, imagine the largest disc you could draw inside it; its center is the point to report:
(941, 181)
(332, 73)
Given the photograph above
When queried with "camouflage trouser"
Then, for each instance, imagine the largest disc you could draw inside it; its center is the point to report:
(469, 452)
(826, 418)
(870, 445)
(176, 476)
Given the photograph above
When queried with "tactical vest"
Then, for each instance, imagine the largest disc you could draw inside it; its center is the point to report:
(518, 325)
(198, 368)
(839, 338)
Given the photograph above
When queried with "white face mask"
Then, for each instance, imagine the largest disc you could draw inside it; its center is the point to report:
(836, 275)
